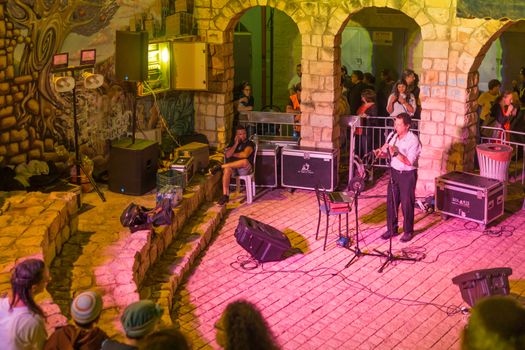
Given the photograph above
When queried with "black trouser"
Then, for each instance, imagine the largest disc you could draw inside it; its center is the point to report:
(401, 189)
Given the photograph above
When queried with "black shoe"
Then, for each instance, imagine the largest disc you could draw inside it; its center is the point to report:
(407, 236)
(223, 200)
(214, 170)
(388, 234)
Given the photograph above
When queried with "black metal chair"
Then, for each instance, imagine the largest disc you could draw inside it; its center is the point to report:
(329, 208)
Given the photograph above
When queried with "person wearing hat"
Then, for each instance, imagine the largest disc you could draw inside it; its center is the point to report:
(85, 311)
(139, 319)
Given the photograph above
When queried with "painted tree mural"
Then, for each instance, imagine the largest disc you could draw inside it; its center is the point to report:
(48, 23)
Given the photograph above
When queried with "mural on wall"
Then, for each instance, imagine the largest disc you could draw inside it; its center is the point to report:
(34, 118)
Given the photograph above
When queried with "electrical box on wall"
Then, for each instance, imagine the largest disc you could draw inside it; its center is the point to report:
(190, 66)
(159, 66)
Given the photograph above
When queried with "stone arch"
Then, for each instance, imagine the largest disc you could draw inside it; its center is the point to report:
(214, 117)
(470, 40)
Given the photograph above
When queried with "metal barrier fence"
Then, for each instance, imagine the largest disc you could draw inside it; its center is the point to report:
(374, 135)
(515, 139)
(269, 124)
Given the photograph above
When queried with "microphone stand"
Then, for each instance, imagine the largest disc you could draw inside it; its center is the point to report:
(390, 257)
(357, 187)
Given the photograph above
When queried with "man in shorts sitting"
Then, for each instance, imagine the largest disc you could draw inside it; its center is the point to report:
(239, 161)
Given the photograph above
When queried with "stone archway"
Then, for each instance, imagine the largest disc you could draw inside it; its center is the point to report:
(431, 65)
(214, 114)
(469, 43)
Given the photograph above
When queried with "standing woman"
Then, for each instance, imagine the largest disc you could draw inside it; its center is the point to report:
(400, 101)
(21, 319)
(503, 110)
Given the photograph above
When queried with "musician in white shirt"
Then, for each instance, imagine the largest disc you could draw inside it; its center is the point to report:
(403, 149)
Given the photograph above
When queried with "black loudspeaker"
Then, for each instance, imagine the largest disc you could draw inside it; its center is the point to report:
(479, 284)
(131, 56)
(133, 166)
(262, 241)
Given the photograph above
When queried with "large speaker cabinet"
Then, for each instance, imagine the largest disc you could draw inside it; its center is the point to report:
(133, 166)
(262, 241)
(131, 56)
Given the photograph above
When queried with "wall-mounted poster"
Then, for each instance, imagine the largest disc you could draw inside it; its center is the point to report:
(382, 38)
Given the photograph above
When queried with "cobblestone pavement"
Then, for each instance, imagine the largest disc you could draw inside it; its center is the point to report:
(311, 301)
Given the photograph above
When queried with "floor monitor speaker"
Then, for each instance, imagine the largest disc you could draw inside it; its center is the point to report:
(133, 166)
(131, 55)
(479, 284)
(262, 241)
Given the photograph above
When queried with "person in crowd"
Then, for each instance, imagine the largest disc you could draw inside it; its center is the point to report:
(495, 323)
(354, 97)
(412, 80)
(503, 111)
(346, 81)
(402, 147)
(521, 93)
(370, 81)
(242, 326)
(239, 157)
(400, 100)
(246, 101)
(138, 320)
(294, 106)
(384, 90)
(367, 109)
(165, 339)
(485, 102)
(296, 79)
(21, 319)
(85, 311)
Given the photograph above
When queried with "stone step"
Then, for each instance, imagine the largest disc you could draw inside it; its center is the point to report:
(164, 277)
(108, 258)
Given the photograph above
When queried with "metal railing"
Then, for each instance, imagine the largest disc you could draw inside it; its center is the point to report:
(269, 124)
(374, 135)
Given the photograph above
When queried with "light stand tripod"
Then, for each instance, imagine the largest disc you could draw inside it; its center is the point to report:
(78, 161)
(356, 185)
(390, 257)
(65, 84)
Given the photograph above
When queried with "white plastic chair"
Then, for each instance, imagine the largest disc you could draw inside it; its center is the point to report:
(249, 180)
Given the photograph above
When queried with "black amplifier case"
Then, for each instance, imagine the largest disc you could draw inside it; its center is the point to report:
(267, 165)
(469, 196)
(306, 167)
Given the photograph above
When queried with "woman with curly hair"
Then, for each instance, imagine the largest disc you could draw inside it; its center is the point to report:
(242, 327)
(21, 319)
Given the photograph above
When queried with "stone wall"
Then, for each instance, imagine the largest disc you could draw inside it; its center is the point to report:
(449, 54)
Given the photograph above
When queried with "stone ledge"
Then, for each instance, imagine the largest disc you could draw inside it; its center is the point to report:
(35, 225)
(166, 277)
(121, 275)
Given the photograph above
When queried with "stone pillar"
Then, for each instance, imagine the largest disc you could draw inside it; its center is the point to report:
(319, 122)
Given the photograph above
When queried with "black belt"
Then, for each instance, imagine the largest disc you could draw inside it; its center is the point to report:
(403, 171)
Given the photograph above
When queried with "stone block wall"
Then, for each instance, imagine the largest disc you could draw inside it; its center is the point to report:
(35, 225)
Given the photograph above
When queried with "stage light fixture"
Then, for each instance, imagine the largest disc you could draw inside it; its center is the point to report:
(63, 83)
(92, 80)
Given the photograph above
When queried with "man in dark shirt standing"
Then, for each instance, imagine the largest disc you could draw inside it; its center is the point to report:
(354, 95)
(239, 161)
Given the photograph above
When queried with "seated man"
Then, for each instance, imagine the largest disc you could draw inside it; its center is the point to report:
(294, 106)
(239, 159)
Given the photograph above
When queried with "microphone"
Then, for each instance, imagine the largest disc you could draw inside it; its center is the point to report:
(390, 135)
